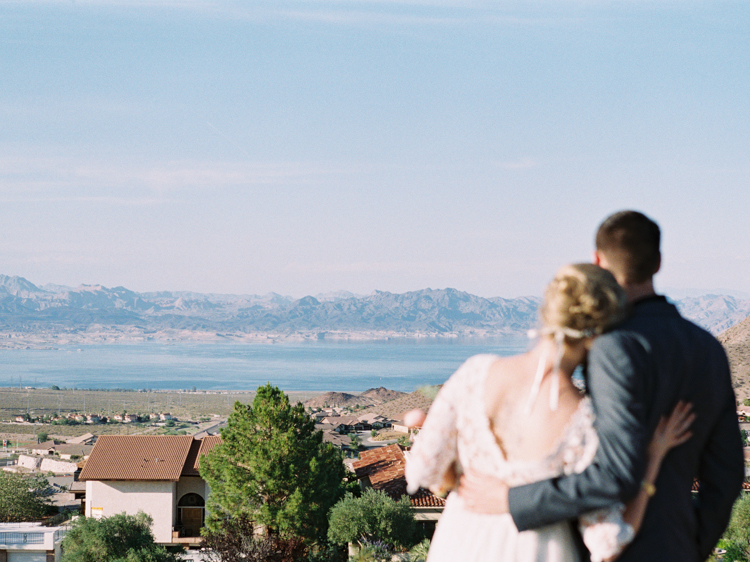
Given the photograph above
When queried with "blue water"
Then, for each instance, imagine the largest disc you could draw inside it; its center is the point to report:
(320, 366)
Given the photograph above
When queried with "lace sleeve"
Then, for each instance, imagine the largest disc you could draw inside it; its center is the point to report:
(434, 447)
(604, 532)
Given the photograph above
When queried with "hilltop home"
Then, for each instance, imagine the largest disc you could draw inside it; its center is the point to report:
(150, 473)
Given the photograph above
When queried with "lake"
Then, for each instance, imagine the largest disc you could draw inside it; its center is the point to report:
(403, 365)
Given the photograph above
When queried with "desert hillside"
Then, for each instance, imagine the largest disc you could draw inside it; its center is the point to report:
(382, 394)
(736, 341)
(370, 397)
(421, 398)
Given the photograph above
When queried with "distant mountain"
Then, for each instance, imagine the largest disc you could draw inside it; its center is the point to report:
(716, 313)
(736, 342)
(34, 316)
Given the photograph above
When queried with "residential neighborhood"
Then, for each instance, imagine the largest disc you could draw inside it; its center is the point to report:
(99, 476)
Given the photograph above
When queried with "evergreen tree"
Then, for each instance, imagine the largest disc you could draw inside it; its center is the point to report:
(273, 468)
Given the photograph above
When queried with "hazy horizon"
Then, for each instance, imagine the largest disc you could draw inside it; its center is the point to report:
(672, 292)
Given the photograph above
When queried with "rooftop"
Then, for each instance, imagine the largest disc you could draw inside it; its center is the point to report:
(140, 457)
(384, 467)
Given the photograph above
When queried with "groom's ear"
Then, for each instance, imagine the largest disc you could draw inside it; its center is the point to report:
(596, 258)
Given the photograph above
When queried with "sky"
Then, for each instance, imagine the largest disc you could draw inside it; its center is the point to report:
(303, 146)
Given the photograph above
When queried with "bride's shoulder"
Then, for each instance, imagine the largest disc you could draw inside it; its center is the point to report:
(479, 364)
(475, 367)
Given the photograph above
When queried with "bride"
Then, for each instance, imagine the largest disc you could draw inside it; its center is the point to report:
(521, 419)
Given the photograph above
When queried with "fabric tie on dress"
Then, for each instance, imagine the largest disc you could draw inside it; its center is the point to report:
(558, 334)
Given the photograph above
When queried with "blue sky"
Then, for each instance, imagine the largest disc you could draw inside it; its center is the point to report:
(309, 146)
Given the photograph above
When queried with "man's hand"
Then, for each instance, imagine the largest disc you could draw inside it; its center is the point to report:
(482, 493)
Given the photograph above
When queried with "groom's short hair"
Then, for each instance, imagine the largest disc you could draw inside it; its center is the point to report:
(630, 242)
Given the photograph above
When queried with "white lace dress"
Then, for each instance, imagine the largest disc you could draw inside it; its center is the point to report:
(458, 430)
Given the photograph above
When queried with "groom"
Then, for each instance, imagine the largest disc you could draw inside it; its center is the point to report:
(636, 374)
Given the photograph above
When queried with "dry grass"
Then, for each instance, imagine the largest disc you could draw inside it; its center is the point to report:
(185, 405)
(386, 435)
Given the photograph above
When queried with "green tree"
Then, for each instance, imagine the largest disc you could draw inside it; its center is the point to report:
(404, 441)
(746, 402)
(273, 468)
(355, 441)
(372, 517)
(120, 538)
(23, 498)
(41, 437)
(737, 536)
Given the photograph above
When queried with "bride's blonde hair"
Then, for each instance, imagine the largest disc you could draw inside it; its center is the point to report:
(583, 300)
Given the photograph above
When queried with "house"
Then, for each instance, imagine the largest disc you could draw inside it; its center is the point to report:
(93, 418)
(30, 542)
(318, 416)
(375, 421)
(68, 451)
(157, 474)
(348, 424)
(384, 469)
(330, 435)
(46, 448)
(399, 425)
(85, 439)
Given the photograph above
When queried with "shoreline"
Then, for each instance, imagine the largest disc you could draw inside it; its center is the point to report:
(52, 340)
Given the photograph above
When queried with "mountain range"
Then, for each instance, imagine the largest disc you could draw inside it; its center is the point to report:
(31, 315)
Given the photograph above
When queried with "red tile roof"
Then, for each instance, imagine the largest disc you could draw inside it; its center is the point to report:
(199, 448)
(144, 457)
(385, 469)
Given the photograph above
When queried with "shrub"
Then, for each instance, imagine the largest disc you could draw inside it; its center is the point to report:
(372, 517)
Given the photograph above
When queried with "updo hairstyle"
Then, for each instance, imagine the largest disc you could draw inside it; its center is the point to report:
(583, 300)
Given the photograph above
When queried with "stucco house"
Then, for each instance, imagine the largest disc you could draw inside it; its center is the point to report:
(155, 474)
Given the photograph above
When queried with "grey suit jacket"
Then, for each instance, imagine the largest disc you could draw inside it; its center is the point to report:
(636, 374)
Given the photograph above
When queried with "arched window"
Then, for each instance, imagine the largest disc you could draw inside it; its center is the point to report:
(191, 513)
(191, 500)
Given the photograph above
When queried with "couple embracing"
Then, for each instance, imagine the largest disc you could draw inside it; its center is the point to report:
(542, 467)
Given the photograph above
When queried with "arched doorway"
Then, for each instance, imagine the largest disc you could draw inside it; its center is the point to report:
(190, 512)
